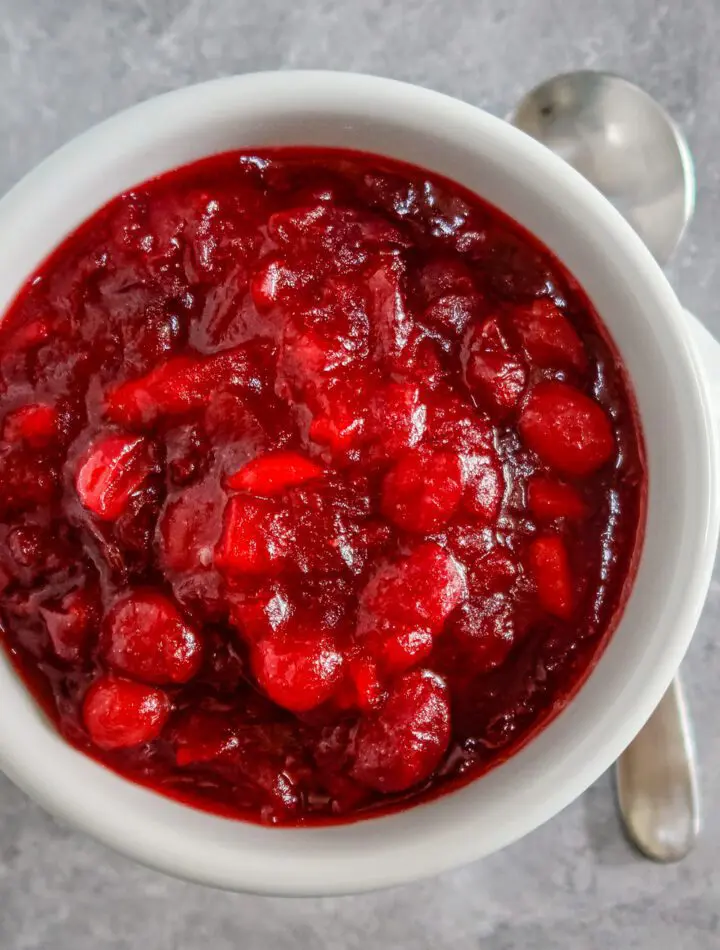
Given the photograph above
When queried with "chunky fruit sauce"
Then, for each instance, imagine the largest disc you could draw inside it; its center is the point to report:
(322, 485)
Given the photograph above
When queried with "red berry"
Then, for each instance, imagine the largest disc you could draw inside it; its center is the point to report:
(494, 572)
(299, 670)
(30, 335)
(550, 568)
(485, 632)
(403, 743)
(292, 225)
(189, 526)
(516, 267)
(307, 358)
(339, 426)
(113, 469)
(228, 418)
(404, 649)
(326, 521)
(453, 424)
(549, 339)
(364, 689)
(254, 538)
(485, 487)
(397, 419)
(390, 321)
(326, 230)
(201, 594)
(421, 361)
(275, 283)
(272, 473)
(146, 637)
(202, 736)
(35, 550)
(187, 454)
(120, 714)
(177, 387)
(18, 490)
(422, 491)
(549, 499)
(261, 610)
(36, 425)
(405, 602)
(468, 541)
(452, 313)
(567, 429)
(70, 623)
(493, 372)
(420, 590)
(445, 275)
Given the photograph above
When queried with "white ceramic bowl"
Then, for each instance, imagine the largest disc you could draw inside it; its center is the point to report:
(651, 331)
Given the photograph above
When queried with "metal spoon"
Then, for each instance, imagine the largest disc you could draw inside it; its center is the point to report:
(626, 144)
(622, 141)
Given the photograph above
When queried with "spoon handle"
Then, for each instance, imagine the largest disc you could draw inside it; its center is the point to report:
(657, 784)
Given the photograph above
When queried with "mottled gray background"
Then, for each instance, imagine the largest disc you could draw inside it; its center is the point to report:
(574, 883)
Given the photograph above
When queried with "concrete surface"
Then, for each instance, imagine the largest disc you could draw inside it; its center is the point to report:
(574, 883)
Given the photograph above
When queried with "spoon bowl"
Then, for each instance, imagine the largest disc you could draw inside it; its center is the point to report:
(624, 142)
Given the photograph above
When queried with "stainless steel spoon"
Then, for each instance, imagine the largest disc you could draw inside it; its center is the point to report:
(626, 144)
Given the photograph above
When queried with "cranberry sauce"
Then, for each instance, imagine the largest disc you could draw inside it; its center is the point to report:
(322, 485)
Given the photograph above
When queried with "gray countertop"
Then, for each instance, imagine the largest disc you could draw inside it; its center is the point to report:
(573, 883)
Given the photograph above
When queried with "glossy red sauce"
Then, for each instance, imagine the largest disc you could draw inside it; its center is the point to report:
(322, 485)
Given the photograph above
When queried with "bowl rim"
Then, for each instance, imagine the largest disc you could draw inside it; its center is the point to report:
(165, 835)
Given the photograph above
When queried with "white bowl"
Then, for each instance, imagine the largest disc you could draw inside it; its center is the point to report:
(650, 329)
